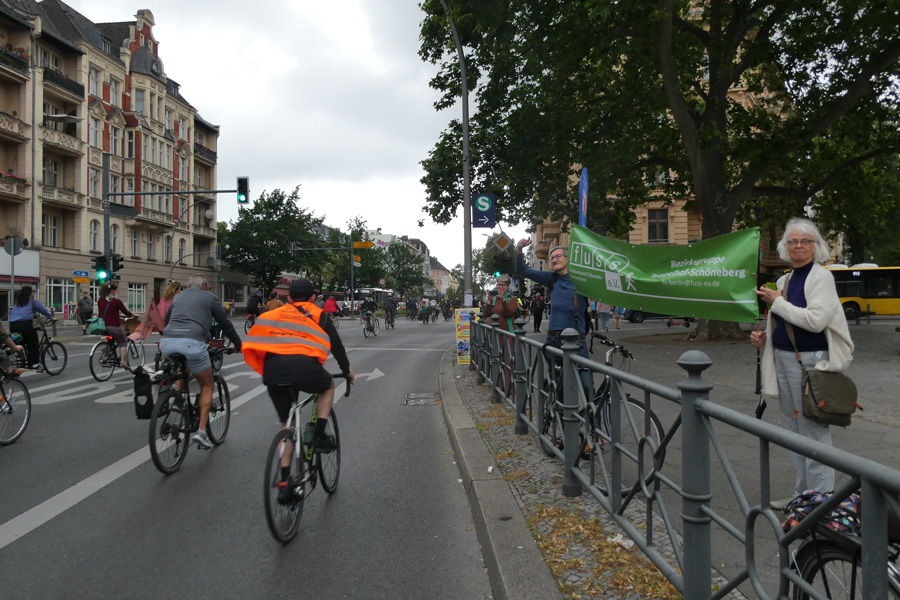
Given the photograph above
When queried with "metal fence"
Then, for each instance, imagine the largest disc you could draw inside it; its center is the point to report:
(529, 375)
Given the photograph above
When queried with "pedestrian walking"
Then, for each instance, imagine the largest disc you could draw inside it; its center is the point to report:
(537, 311)
(85, 311)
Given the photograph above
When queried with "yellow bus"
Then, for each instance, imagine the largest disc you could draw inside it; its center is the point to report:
(868, 288)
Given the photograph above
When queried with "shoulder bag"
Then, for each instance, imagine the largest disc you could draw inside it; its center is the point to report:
(97, 325)
(828, 398)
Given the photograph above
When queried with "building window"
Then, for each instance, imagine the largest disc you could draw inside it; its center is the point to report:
(115, 138)
(133, 235)
(114, 92)
(54, 124)
(129, 189)
(658, 226)
(60, 293)
(168, 119)
(168, 249)
(168, 163)
(149, 246)
(137, 293)
(50, 230)
(152, 105)
(94, 133)
(139, 102)
(129, 144)
(95, 235)
(52, 172)
(153, 150)
(96, 190)
(93, 82)
(114, 239)
(181, 245)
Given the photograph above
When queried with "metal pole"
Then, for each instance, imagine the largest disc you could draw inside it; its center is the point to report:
(106, 249)
(351, 275)
(467, 184)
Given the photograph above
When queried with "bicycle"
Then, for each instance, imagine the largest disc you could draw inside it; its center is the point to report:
(15, 408)
(104, 357)
(176, 415)
(53, 355)
(306, 467)
(389, 320)
(829, 560)
(371, 325)
(249, 322)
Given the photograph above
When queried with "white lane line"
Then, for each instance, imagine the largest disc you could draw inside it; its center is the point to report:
(30, 520)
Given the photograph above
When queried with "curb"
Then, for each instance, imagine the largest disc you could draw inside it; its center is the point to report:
(515, 565)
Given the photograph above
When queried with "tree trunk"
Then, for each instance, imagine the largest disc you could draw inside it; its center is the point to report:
(717, 331)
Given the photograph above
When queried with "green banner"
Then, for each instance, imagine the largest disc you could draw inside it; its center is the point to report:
(712, 279)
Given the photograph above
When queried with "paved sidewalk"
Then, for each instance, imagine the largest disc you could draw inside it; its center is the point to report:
(569, 547)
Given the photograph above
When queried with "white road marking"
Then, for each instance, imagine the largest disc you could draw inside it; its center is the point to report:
(30, 520)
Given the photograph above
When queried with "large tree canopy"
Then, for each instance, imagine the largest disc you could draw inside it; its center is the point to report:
(732, 103)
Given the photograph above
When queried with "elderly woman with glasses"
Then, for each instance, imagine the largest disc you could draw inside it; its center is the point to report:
(810, 312)
(502, 303)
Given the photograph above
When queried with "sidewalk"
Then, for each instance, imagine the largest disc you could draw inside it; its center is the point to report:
(568, 547)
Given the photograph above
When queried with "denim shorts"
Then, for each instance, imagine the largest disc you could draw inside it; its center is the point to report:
(196, 352)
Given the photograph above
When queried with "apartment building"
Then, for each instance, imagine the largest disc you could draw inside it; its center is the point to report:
(72, 90)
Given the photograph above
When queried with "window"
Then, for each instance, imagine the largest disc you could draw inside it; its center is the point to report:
(50, 230)
(137, 293)
(114, 186)
(133, 238)
(181, 245)
(53, 124)
(153, 150)
(129, 144)
(93, 81)
(200, 137)
(168, 163)
(52, 172)
(114, 238)
(139, 102)
(114, 92)
(168, 119)
(129, 189)
(95, 235)
(168, 249)
(182, 169)
(94, 133)
(149, 246)
(115, 138)
(152, 105)
(96, 190)
(60, 293)
(658, 226)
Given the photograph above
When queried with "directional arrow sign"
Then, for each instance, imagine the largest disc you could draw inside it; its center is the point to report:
(356, 257)
(483, 211)
(363, 244)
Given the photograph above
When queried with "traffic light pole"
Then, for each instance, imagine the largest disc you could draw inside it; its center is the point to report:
(107, 251)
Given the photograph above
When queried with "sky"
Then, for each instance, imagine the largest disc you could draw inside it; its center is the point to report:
(332, 97)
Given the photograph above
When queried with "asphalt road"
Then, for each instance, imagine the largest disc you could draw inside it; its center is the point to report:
(85, 514)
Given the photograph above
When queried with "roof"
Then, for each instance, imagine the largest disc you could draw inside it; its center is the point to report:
(29, 9)
(436, 264)
(198, 120)
(74, 26)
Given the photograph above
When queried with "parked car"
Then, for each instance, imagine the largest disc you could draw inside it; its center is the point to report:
(639, 316)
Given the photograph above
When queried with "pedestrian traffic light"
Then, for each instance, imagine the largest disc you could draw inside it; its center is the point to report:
(101, 268)
(116, 263)
(243, 190)
(498, 265)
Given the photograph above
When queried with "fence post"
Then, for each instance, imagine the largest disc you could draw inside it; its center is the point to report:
(496, 371)
(479, 343)
(571, 383)
(473, 348)
(520, 377)
(695, 475)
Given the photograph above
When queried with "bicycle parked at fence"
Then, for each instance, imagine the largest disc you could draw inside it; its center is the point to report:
(104, 357)
(15, 408)
(307, 467)
(53, 355)
(637, 422)
(370, 324)
(176, 412)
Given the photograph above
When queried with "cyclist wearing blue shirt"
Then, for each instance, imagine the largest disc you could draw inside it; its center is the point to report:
(567, 307)
(24, 309)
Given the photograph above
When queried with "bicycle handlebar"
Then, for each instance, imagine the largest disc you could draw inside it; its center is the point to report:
(347, 387)
(606, 341)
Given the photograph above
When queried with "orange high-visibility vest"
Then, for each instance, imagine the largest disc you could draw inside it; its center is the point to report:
(286, 330)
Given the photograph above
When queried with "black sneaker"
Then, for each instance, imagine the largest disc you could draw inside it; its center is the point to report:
(324, 443)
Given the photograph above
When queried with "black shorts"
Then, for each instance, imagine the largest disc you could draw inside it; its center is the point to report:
(301, 373)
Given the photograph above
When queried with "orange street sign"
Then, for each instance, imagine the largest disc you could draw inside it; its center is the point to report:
(363, 244)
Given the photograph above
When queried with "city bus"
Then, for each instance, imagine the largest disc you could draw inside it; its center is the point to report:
(867, 287)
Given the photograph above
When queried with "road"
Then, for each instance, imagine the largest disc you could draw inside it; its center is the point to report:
(85, 514)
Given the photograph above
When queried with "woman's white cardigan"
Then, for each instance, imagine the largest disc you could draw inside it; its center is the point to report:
(823, 312)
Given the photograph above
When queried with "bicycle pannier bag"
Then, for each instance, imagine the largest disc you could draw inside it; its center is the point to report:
(828, 398)
(96, 326)
(143, 394)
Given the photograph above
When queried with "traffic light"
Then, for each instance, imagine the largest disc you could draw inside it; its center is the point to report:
(116, 263)
(101, 268)
(243, 190)
(498, 265)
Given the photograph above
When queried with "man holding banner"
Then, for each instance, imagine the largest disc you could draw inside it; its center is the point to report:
(567, 307)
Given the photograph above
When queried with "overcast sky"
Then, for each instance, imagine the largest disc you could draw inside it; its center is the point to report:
(329, 96)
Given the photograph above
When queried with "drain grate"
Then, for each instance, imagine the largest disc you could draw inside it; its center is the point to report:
(421, 399)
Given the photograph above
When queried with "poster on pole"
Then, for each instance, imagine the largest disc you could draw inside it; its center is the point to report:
(583, 198)
(711, 279)
(463, 318)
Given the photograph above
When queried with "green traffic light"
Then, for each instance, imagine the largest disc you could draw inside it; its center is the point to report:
(242, 198)
(102, 275)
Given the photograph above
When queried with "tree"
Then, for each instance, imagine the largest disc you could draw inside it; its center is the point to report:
(720, 101)
(259, 242)
(372, 260)
(405, 267)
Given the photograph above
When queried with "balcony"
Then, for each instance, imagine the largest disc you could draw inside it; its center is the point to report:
(13, 189)
(14, 63)
(12, 129)
(156, 217)
(203, 231)
(63, 143)
(205, 154)
(64, 83)
(62, 197)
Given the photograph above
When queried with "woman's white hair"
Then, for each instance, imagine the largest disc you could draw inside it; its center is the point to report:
(804, 227)
(504, 279)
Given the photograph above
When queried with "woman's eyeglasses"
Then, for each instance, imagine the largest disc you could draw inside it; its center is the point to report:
(803, 242)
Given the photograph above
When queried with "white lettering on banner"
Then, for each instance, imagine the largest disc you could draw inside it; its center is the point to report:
(614, 282)
(597, 259)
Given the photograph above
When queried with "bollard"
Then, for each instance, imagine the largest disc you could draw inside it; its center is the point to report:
(695, 477)
(520, 377)
(571, 384)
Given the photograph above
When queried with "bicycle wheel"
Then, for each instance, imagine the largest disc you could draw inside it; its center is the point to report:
(15, 411)
(329, 463)
(169, 439)
(629, 446)
(134, 354)
(284, 519)
(54, 358)
(552, 421)
(375, 328)
(219, 412)
(248, 323)
(102, 361)
(365, 330)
